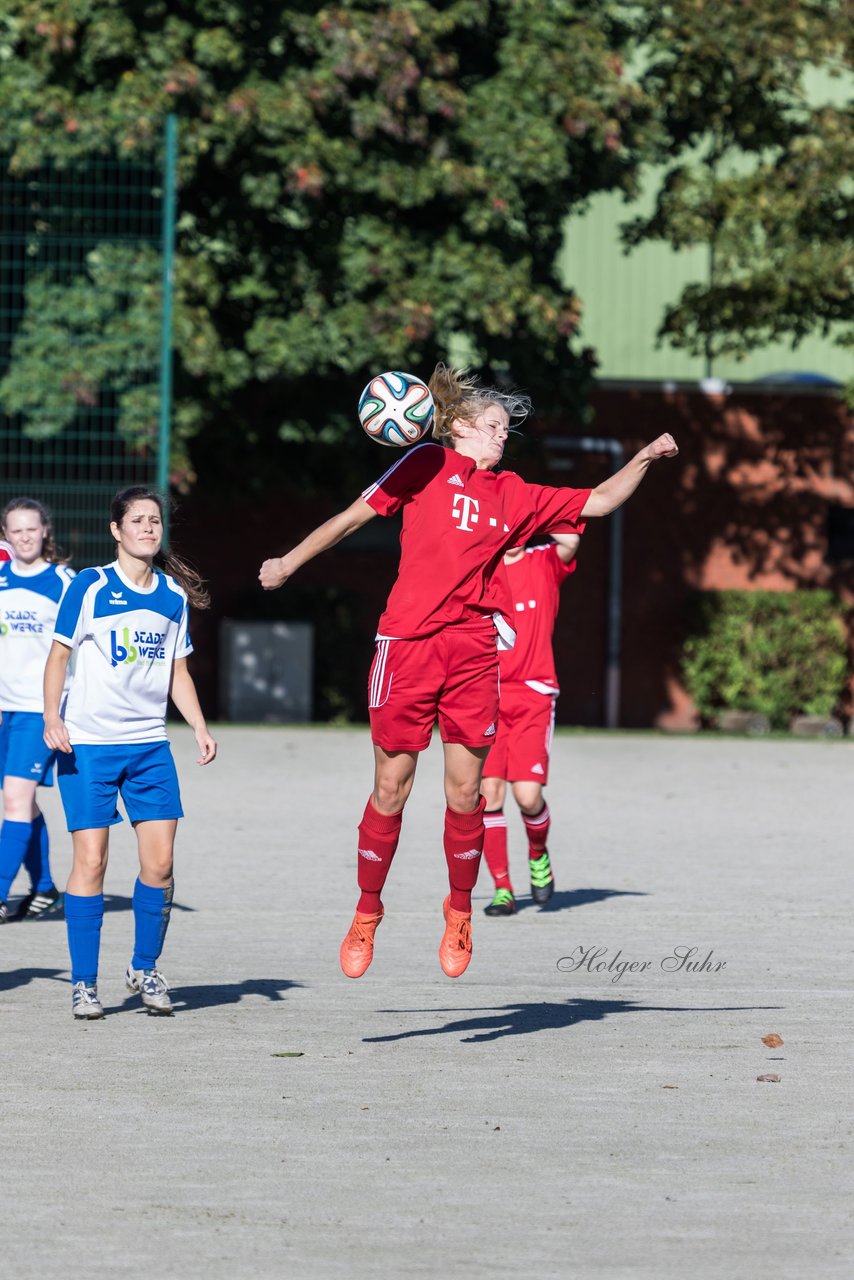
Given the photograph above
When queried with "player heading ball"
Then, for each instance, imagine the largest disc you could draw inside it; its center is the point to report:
(436, 648)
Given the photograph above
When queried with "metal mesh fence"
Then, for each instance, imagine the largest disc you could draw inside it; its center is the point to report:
(82, 323)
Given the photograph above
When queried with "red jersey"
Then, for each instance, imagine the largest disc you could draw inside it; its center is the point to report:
(457, 523)
(535, 581)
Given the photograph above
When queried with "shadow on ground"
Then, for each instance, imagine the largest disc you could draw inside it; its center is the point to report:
(112, 902)
(495, 1022)
(116, 902)
(22, 977)
(221, 993)
(566, 899)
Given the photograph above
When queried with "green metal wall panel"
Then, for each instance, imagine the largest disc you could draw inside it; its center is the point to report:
(624, 299)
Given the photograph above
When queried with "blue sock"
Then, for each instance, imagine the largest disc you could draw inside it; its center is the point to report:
(151, 908)
(14, 839)
(37, 857)
(83, 918)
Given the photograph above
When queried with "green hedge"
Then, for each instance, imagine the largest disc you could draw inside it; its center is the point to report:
(775, 653)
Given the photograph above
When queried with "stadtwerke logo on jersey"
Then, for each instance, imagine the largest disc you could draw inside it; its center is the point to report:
(145, 646)
(22, 621)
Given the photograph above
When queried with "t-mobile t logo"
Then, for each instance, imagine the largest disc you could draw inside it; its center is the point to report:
(465, 510)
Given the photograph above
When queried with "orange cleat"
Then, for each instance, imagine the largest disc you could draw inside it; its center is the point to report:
(455, 947)
(357, 949)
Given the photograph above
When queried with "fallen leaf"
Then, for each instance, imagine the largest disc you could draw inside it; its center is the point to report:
(364, 1108)
(770, 1077)
(773, 1041)
(298, 1054)
(670, 1086)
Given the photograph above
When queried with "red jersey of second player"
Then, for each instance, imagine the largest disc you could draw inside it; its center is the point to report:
(458, 521)
(535, 580)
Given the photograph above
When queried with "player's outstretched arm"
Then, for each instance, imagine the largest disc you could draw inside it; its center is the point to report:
(275, 573)
(567, 546)
(55, 732)
(614, 491)
(183, 691)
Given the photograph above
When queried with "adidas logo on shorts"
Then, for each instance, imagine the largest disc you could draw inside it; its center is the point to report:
(537, 768)
(488, 733)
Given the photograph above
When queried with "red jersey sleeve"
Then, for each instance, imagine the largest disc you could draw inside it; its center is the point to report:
(408, 476)
(558, 510)
(539, 508)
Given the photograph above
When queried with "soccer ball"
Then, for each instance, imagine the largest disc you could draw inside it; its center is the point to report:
(396, 409)
(6, 552)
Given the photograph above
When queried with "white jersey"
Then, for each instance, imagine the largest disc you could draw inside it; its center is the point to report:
(126, 640)
(29, 603)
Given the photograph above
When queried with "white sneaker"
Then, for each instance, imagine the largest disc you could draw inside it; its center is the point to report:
(152, 986)
(84, 1001)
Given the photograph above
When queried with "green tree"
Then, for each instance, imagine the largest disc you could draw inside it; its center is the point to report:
(362, 185)
(756, 166)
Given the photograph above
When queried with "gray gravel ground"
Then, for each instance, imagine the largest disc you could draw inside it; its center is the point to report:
(523, 1120)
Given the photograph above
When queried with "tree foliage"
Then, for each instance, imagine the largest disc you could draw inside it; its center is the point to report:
(362, 185)
(368, 184)
(86, 337)
(757, 166)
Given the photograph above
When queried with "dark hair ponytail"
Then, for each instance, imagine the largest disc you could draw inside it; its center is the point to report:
(50, 551)
(188, 578)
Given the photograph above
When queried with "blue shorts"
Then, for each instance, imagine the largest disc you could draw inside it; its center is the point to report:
(91, 777)
(23, 752)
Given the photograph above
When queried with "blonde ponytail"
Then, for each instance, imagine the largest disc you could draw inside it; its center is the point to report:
(459, 396)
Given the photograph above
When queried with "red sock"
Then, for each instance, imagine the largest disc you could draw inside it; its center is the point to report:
(537, 828)
(378, 837)
(495, 847)
(463, 850)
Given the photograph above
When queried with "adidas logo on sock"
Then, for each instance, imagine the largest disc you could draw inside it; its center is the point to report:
(455, 479)
(468, 855)
(369, 855)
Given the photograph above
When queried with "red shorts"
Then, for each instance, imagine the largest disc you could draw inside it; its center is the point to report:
(521, 749)
(452, 676)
